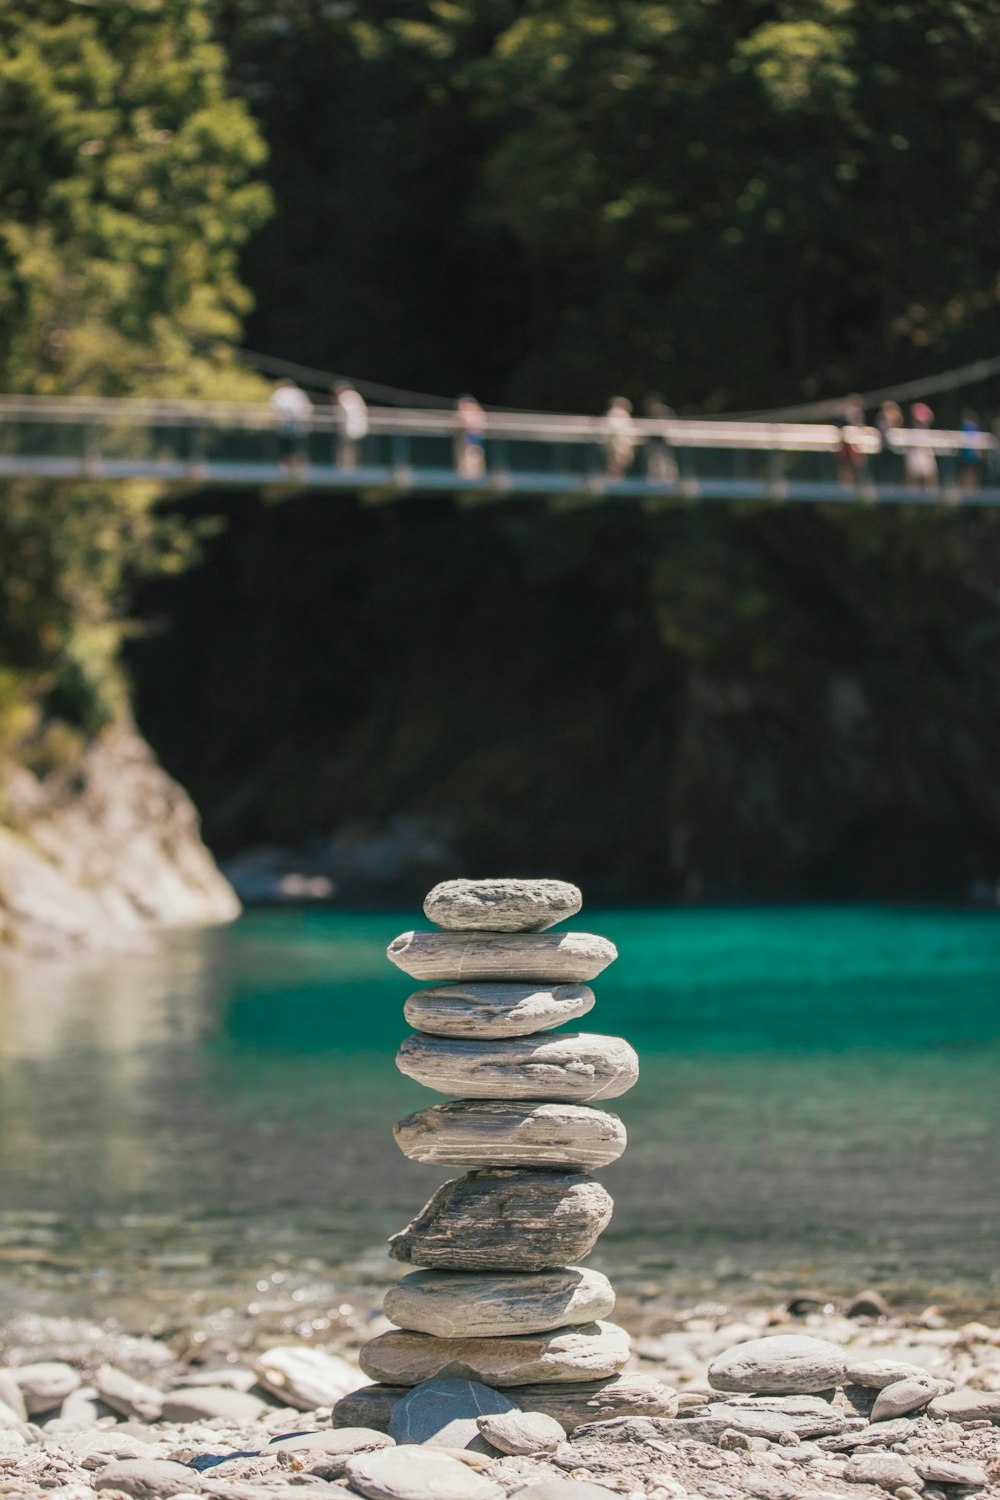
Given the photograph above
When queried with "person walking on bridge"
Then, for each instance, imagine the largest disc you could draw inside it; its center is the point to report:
(661, 462)
(294, 410)
(352, 418)
(619, 449)
(470, 438)
(921, 464)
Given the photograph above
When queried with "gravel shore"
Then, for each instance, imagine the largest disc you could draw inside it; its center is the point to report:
(195, 1409)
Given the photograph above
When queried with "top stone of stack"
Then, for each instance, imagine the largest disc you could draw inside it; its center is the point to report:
(501, 905)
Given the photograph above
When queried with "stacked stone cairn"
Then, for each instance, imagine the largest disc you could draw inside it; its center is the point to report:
(497, 1295)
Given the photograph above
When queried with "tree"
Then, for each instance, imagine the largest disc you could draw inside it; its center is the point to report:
(127, 186)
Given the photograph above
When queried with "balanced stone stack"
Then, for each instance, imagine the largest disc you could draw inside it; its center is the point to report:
(498, 1295)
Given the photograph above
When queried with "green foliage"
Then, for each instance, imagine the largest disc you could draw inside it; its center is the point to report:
(737, 203)
(127, 191)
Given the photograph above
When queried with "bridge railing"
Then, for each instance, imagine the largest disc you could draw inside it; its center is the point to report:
(239, 443)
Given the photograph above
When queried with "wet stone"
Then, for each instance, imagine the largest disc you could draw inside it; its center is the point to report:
(502, 905)
(444, 1413)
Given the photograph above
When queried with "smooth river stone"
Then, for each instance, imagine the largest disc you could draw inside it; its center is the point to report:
(786, 1363)
(536, 956)
(506, 1221)
(455, 1304)
(496, 1009)
(504, 1133)
(501, 905)
(579, 1067)
(589, 1351)
(569, 1405)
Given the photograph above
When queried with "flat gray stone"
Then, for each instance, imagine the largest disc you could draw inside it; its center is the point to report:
(522, 1432)
(508, 1133)
(563, 1489)
(144, 1477)
(412, 1473)
(506, 1221)
(502, 905)
(200, 1403)
(785, 1363)
(765, 1417)
(325, 1453)
(478, 1010)
(443, 1413)
(131, 1398)
(456, 1304)
(306, 1377)
(579, 1067)
(570, 1405)
(888, 1470)
(590, 1351)
(44, 1386)
(879, 1436)
(876, 1374)
(949, 1471)
(447, 957)
(967, 1405)
(904, 1396)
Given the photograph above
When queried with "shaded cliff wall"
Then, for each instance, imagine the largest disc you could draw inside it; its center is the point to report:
(711, 702)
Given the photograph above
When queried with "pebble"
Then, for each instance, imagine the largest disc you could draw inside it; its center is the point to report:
(506, 1133)
(506, 1221)
(417, 1474)
(903, 1396)
(502, 905)
(787, 1362)
(965, 1405)
(132, 1398)
(452, 1303)
(563, 957)
(876, 1374)
(43, 1386)
(887, 1470)
(444, 1412)
(570, 1405)
(526, 1432)
(500, 1010)
(142, 1477)
(578, 1067)
(590, 1351)
(306, 1377)
(949, 1471)
(195, 1403)
(325, 1454)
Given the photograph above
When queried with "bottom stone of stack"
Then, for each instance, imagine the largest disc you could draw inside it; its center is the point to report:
(570, 1405)
(586, 1351)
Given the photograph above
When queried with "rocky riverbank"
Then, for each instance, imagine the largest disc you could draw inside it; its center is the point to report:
(101, 851)
(800, 1403)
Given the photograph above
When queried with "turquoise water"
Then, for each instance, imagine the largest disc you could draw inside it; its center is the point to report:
(818, 1103)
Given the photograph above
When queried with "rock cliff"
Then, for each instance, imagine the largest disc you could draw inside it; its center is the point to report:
(99, 854)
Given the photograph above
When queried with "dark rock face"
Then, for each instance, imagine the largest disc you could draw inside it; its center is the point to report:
(770, 700)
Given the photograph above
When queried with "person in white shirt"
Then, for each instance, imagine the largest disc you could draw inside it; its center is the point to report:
(620, 445)
(352, 414)
(293, 410)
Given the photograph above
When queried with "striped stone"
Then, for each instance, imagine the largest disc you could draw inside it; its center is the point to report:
(502, 1010)
(450, 1304)
(591, 1351)
(576, 1066)
(506, 1221)
(509, 1133)
(563, 957)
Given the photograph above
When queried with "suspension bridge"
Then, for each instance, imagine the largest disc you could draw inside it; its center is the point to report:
(414, 450)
